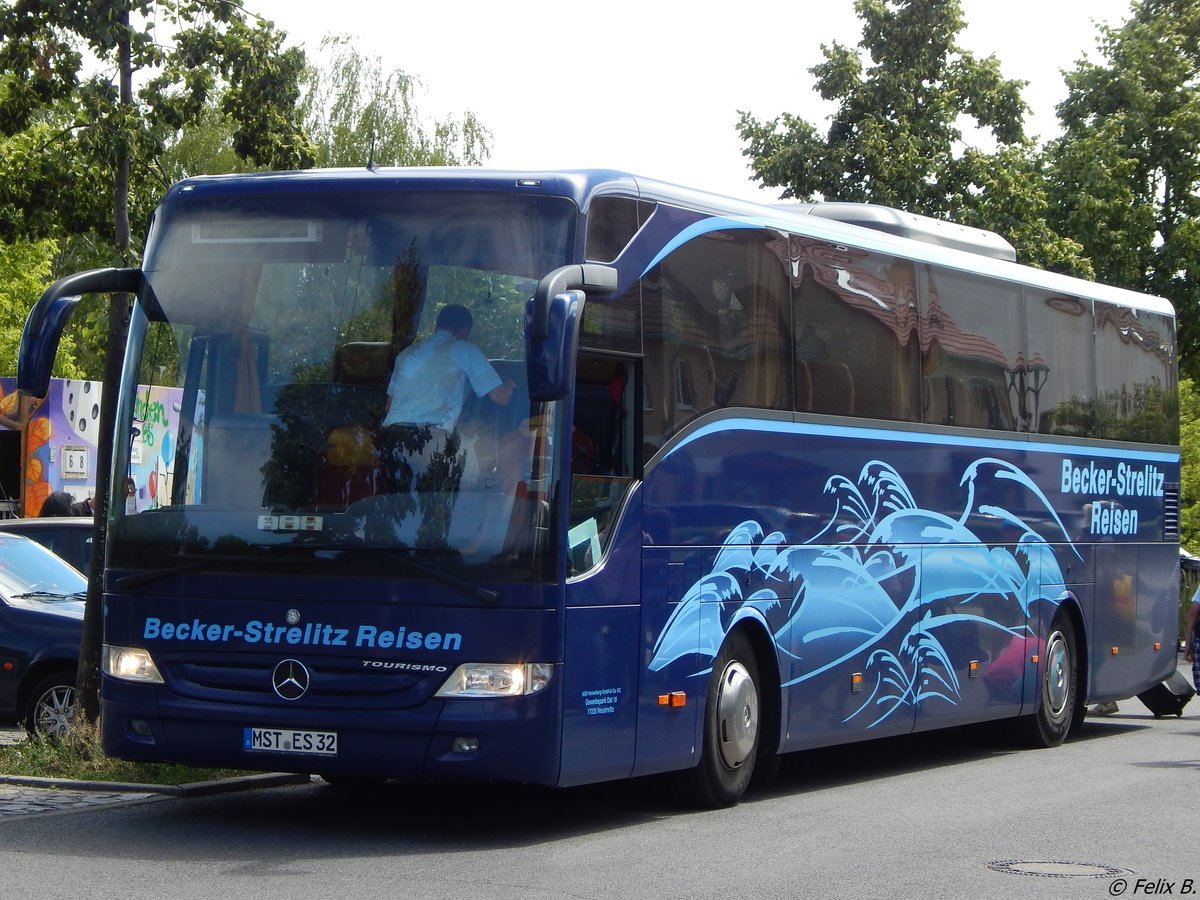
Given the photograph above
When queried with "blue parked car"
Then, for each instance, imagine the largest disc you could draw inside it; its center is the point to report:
(68, 536)
(41, 620)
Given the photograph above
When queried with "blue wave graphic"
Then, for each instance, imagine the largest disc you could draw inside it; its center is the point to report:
(854, 587)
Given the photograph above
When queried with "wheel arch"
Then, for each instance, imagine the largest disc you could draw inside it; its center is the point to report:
(36, 672)
(1070, 606)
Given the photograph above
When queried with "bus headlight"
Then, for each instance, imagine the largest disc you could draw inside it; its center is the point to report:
(497, 680)
(129, 664)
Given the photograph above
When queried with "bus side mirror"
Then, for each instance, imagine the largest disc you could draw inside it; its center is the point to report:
(46, 321)
(550, 362)
(552, 320)
(586, 277)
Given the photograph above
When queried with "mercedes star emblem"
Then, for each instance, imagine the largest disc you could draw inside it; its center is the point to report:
(290, 679)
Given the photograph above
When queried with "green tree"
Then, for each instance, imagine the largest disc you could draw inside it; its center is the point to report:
(895, 136)
(81, 144)
(24, 270)
(80, 139)
(1125, 175)
(356, 112)
(1189, 446)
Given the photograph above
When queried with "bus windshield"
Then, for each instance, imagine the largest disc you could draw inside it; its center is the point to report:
(319, 411)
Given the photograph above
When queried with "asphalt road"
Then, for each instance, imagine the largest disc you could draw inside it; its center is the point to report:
(959, 814)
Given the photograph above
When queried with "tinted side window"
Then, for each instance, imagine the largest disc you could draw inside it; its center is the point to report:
(971, 337)
(716, 330)
(1135, 370)
(855, 343)
(611, 224)
(1054, 381)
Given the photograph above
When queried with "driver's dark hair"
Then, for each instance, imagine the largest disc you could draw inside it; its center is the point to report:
(453, 317)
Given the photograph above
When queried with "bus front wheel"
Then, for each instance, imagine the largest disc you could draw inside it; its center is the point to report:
(1058, 693)
(732, 726)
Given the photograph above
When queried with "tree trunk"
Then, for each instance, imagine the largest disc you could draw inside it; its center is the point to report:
(88, 674)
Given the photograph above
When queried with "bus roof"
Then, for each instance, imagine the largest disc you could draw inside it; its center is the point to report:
(869, 226)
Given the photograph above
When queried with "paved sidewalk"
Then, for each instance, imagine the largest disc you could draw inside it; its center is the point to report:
(16, 800)
(10, 734)
(21, 795)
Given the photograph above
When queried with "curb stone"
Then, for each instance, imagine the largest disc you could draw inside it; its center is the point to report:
(195, 789)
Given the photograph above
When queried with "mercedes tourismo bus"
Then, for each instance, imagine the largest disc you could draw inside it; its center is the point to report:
(772, 478)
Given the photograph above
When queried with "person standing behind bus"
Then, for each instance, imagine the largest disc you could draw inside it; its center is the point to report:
(1191, 634)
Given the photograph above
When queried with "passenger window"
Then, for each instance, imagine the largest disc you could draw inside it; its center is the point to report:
(856, 332)
(968, 368)
(611, 224)
(1136, 395)
(717, 332)
(1054, 382)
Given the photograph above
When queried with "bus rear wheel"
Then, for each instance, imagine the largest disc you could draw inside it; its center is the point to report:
(732, 726)
(1058, 691)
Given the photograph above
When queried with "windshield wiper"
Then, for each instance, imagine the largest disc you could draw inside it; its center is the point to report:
(484, 595)
(478, 591)
(51, 595)
(190, 565)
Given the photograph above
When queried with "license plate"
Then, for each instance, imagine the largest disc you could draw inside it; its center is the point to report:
(286, 740)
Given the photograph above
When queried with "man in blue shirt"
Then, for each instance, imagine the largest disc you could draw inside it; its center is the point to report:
(426, 393)
(429, 380)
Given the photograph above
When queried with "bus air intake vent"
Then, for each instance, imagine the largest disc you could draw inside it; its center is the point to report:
(1171, 513)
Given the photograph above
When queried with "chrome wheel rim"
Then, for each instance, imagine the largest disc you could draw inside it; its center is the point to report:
(55, 711)
(1058, 674)
(737, 715)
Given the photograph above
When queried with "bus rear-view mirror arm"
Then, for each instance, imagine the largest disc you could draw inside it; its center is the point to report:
(586, 277)
(46, 321)
(552, 319)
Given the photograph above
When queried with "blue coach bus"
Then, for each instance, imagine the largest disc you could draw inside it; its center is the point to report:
(772, 478)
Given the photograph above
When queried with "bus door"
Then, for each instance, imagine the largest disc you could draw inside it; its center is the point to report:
(603, 592)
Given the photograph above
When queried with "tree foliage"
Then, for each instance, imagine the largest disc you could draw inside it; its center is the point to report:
(90, 92)
(356, 112)
(895, 137)
(1125, 175)
(24, 272)
(1189, 445)
(66, 127)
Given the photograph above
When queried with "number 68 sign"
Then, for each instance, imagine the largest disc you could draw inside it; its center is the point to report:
(74, 462)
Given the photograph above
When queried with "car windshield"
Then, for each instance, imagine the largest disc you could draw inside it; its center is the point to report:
(29, 570)
(303, 395)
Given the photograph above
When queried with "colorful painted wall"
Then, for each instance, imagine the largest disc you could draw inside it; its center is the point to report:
(63, 434)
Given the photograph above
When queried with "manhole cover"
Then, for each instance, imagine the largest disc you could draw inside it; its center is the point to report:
(1056, 868)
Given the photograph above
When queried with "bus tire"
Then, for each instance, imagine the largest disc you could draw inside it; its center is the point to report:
(51, 708)
(1058, 688)
(732, 726)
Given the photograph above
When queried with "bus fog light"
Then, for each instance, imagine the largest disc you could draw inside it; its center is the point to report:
(497, 680)
(129, 664)
(465, 745)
